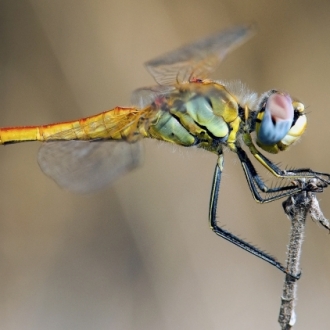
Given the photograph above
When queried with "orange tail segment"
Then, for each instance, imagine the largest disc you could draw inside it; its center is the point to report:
(116, 124)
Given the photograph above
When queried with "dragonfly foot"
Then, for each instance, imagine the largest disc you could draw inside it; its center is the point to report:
(312, 185)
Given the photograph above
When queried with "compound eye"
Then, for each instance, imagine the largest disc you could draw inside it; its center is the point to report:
(277, 119)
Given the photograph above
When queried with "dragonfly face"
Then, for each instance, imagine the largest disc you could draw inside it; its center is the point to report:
(280, 122)
(186, 109)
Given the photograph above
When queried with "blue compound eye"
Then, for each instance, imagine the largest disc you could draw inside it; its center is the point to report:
(277, 119)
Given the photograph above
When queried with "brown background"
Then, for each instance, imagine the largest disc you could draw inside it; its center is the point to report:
(139, 255)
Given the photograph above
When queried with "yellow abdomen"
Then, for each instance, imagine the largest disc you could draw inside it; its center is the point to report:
(118, 124)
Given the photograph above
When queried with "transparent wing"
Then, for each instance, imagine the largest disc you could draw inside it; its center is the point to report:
(85, 166)
(199, 59)
(144, 96)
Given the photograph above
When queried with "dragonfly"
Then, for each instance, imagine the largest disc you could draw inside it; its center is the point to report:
(188, 109)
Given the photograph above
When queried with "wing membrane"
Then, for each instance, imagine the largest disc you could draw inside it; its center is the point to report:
(85, 166)
(142, 97)
(199, 59)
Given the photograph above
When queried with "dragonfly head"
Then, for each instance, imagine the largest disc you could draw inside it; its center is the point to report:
(280, 121)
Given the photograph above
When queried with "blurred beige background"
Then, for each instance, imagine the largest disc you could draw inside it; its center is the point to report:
(140, 255)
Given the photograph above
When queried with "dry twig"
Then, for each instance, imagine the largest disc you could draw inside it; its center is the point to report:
(296, 207)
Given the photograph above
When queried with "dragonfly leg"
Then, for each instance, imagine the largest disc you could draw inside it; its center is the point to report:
(294, 173)
(275, 170)
(255, 182)
(229, 236)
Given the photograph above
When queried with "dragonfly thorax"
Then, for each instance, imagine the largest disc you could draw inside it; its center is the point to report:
(201, 113)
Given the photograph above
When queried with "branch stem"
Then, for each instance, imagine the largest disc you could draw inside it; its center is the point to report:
(296, 208)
